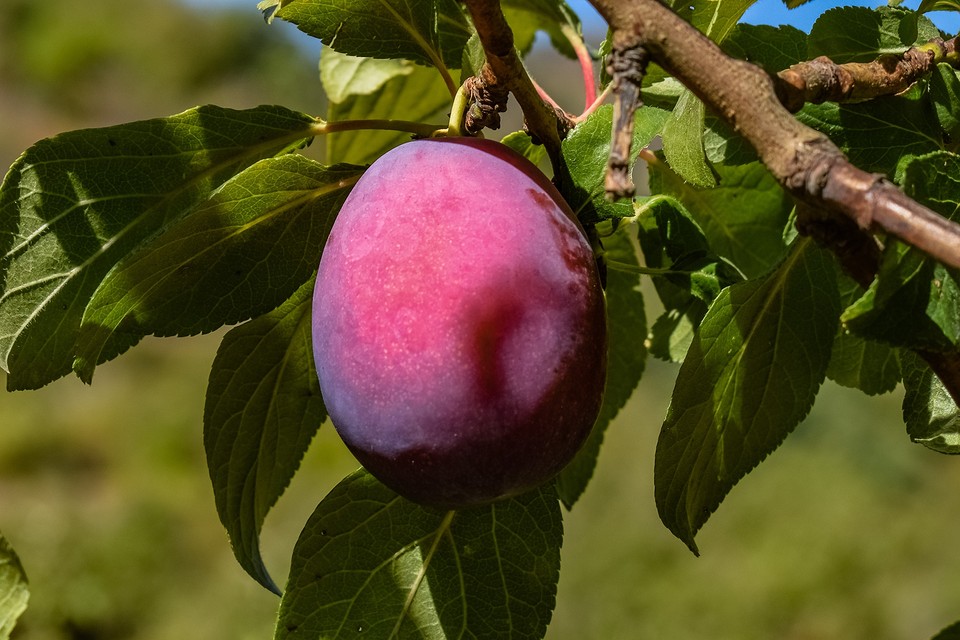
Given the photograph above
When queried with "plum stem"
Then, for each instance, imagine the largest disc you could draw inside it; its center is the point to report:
(419, 129)
(461, 101)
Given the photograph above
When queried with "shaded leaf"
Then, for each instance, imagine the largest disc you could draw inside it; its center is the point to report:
(419, 95)
(371, 564)
(81, 201)
(236, 256)
(14, 592)
(931, 415)
(431, 32)
(867, 365)
(691, 275)
(263, 407)
(749, 377)
(860, 34)
(743, 218)
(585, 152)
(626, 356)
(945, 95)
(914, 301)
(880, 135)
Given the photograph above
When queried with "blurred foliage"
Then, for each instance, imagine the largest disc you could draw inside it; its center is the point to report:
(105, 496)
(70, 64)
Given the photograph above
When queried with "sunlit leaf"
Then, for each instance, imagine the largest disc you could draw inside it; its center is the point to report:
(585, 152)
(431, 32)
(527, 17)
(683, 142)
(860, 34)
(263, 407)
(344, 76)
(79, 202)
(370, 564)
(749, 377)
(419, 95)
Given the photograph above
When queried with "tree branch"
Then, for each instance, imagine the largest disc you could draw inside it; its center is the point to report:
(846, 200)
(822, 80)
(505, 68)
(803, 160)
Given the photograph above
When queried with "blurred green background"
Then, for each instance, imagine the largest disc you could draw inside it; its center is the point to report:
(849, 531)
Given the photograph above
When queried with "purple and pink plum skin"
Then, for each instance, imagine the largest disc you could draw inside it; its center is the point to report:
(459, 330)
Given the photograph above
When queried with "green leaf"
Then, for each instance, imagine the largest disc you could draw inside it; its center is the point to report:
(263, 408)
(915, 302)
(79, 202)
(931, 415)
(238, 255)
(716, 18)
(522, 143)
(743, 218)
(858, 363)
(880, 135)
(683, 133)
(14, 592)
(945, 95)
(431, 32)
(860, 34)
(672, 333)
(527, 17)
(585, 152)
(370, 564)
(344, 76)
(626, 356)
(683, 145)
(749, 377)
(773, 48)
(692, 275)
(419, 96)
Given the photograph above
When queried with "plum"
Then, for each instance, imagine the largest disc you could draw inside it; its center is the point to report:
(459, 330)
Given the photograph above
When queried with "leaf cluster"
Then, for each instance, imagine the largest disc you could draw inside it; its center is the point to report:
(212, 218)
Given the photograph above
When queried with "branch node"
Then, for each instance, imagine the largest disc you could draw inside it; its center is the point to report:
(488, 100)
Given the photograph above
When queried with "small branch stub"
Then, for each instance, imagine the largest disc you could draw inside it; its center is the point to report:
(626, 66)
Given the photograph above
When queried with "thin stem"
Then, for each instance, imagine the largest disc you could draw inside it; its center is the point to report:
(607, 91)
(420, 129)
(586, 63)
(461, 101)
(626, 267)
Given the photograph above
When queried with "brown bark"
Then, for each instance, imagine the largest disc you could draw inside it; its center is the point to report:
(822, 80)
(505, 68)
